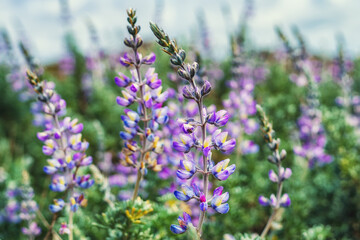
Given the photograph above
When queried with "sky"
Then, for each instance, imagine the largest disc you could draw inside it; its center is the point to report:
(320, 21)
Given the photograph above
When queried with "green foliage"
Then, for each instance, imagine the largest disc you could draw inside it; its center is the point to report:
(319, 232)
(137, 220)
(245, 237)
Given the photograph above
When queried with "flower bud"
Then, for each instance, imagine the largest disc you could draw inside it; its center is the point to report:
(206, 88)
(138, 41)
(187, 93)
(182, 54)
(182, 73)
(128, 43)
(195, 66)
(272, 159)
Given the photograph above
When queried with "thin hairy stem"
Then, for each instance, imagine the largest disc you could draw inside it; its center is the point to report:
(136, 189)
(145, 121)
(50, 231)
(206, 176)
(71, 227)
(277, 207)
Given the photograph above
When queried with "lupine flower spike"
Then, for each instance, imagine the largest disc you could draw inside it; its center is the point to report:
(276, 158)
(140, 152)
(194, 136)
(66, 150)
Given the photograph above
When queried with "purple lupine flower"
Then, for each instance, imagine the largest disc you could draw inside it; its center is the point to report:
(64, 229)
(219, 200)
(222, 171)
(21, 207)
(220, 143)
(187, 142)
(186, 193)
(57, 206)
(85, 181)
(312, 133)
(32, 231)
(219, 119)
(149, 59)
(141, 132)
(77, 201)
(122, 80)
(187, 169)
(183, 224)
(241, 103)
(63, 144)
(194, 129)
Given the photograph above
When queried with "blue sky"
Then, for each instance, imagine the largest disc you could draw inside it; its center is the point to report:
(319, 20)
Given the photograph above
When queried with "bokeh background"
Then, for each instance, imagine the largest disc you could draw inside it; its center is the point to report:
(307, 80)
(321, 21)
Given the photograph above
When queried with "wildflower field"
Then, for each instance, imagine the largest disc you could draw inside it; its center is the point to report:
(164, 140)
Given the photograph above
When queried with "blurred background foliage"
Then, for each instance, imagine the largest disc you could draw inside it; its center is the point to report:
(325, 199)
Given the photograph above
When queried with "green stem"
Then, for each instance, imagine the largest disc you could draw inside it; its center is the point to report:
(206, 177)
(71, 227)
(144, 140)
(136, 189)
(277, 207)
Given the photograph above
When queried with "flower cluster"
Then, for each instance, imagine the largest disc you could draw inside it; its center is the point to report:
(276, 200)
(15, 77)
(349, 100)
(241, 103)
(28, 212)
(301, 62)
(142, 124)
(312, 133)
(193, 136)
(66, 150)
(21, 207)
(340, 65)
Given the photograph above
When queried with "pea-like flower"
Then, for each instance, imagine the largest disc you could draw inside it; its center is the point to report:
(183, 224)
(187, 169)
(122, 80)
(151, 79)
(54, 165)
(220, 143)
(50, 147)
(131, 118)
(222, 171)
(58, 184)
(32, 230)
(85, 181)
(218, 203)
(57, 206)
(64, 229)
(219, 119)
(126, 100)
(126, 60)
(77, 201)
(186, 193)
(128, 134)
(185, 145)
